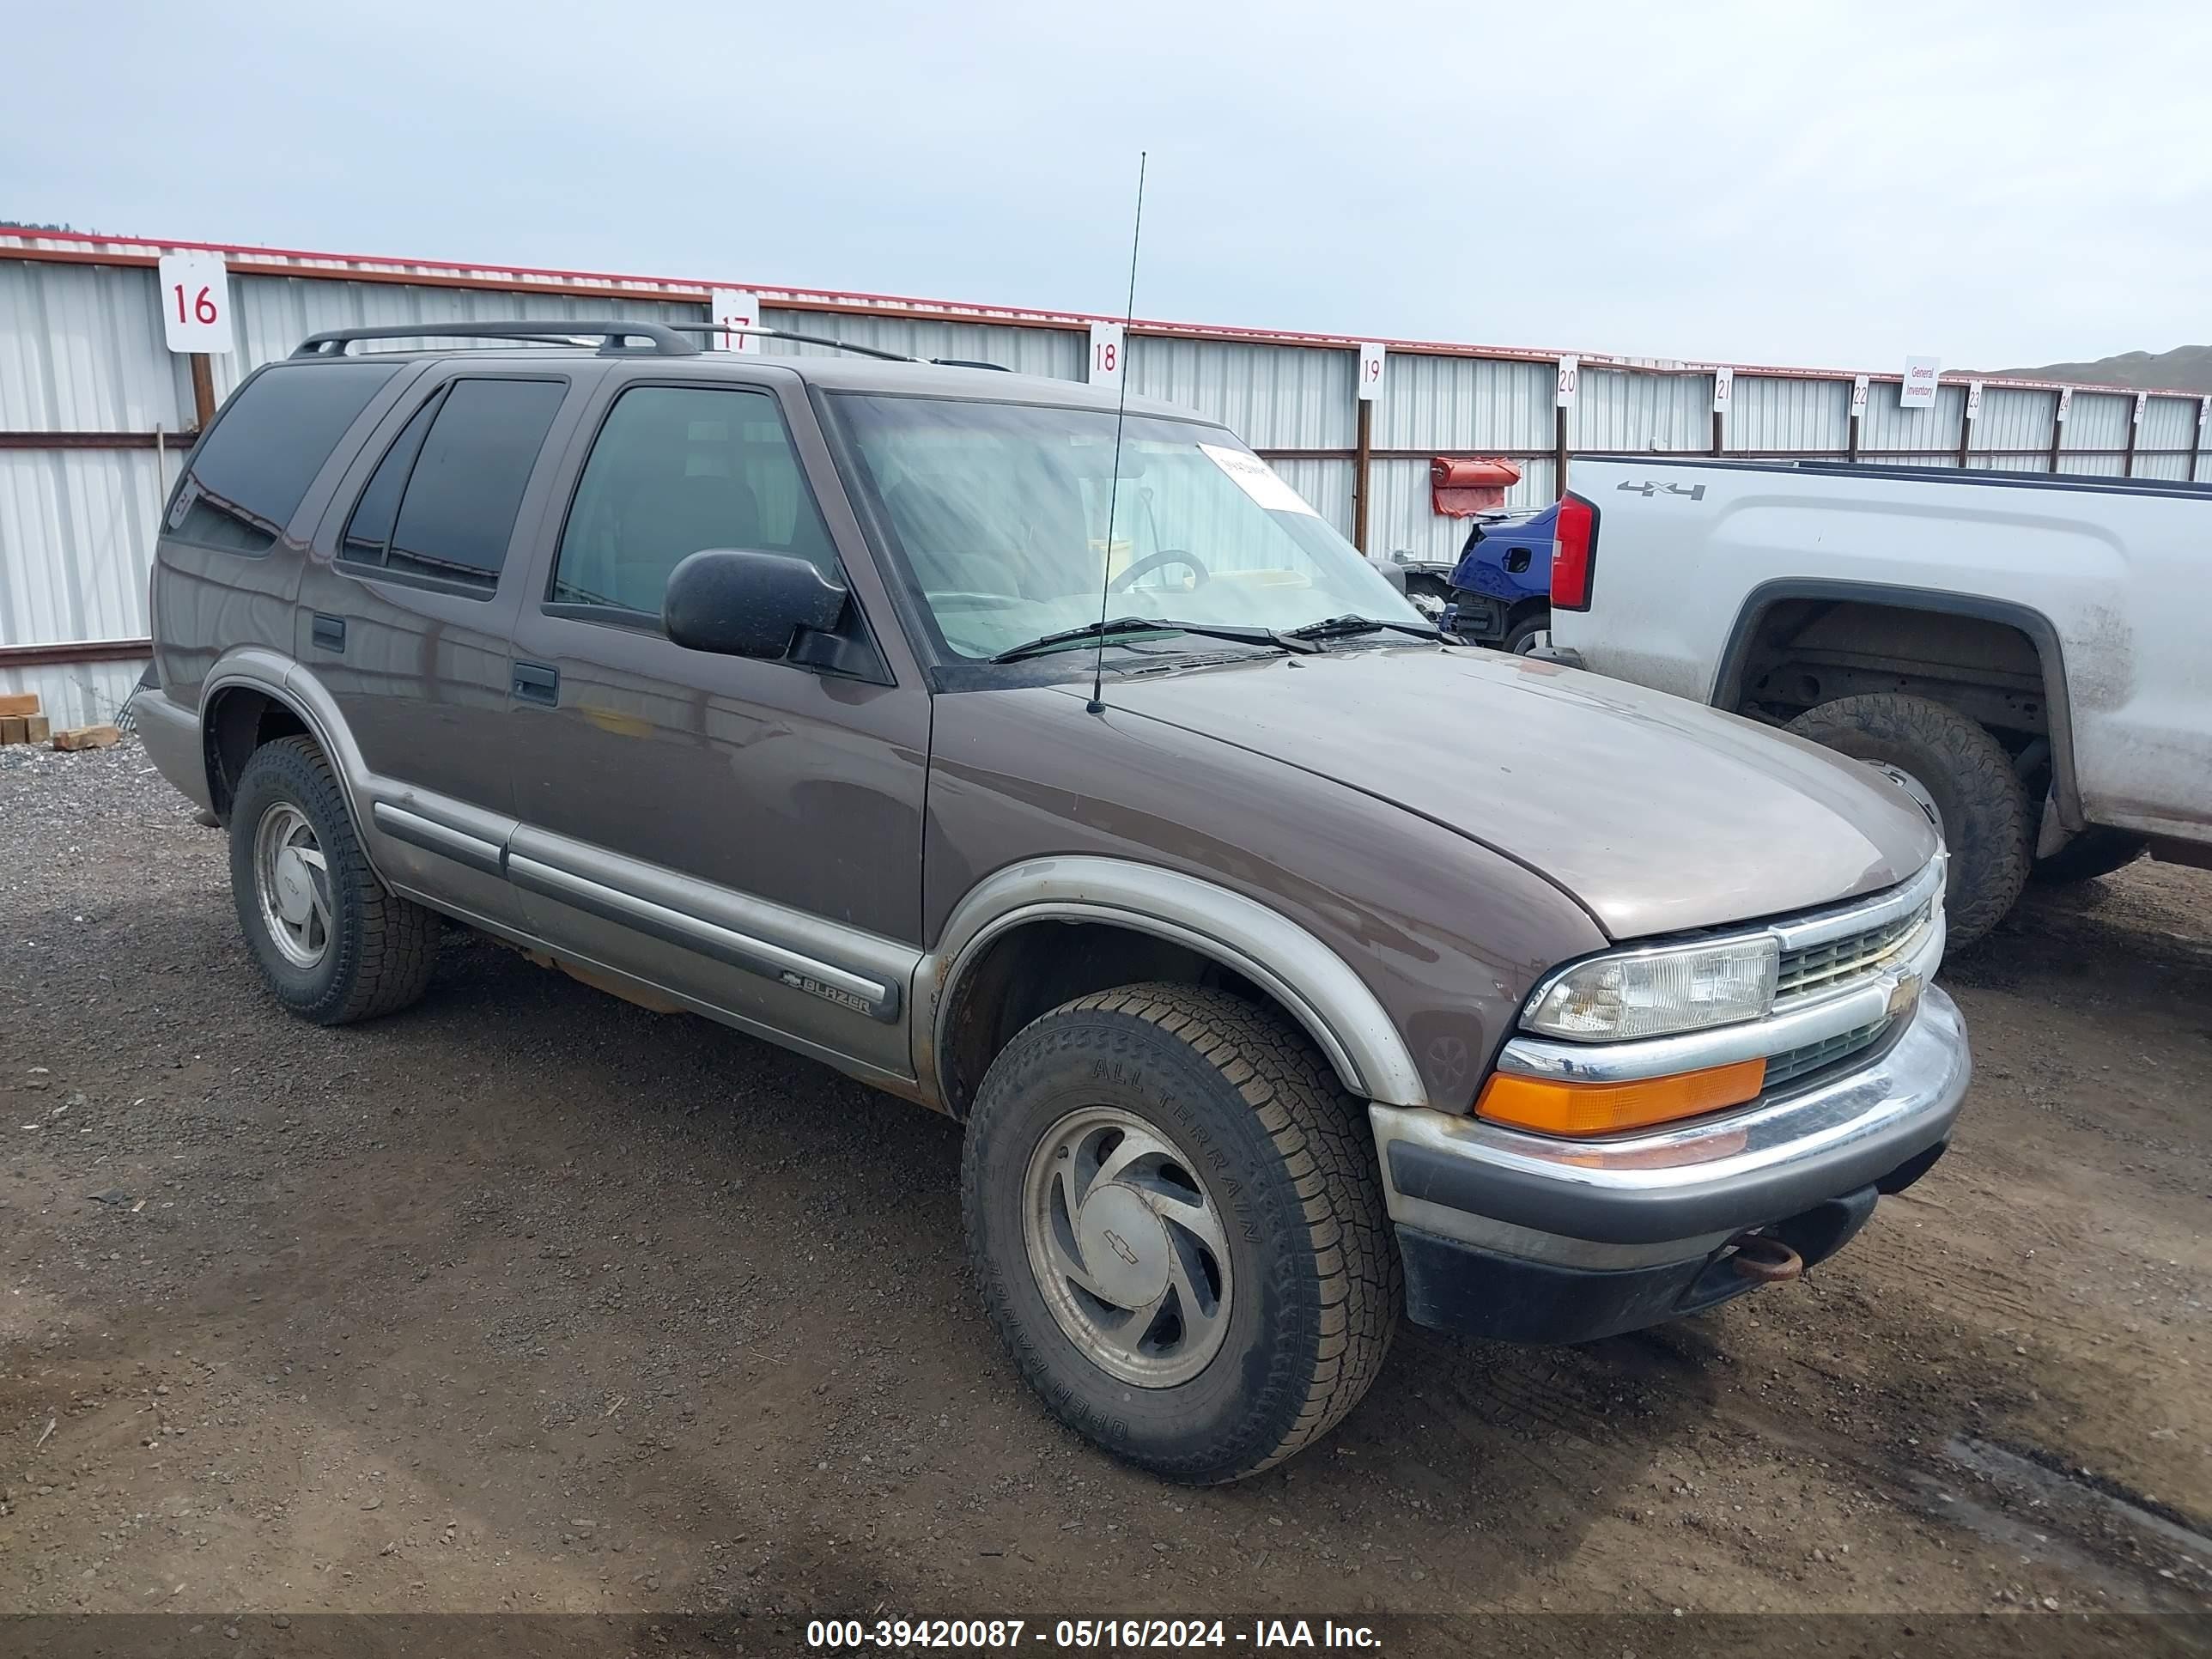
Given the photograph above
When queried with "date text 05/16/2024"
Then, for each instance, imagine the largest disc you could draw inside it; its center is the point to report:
(1087, 1635)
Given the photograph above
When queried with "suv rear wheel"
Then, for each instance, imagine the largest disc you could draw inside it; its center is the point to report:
(333, 946)
(1953, 764)
(1174, 1215)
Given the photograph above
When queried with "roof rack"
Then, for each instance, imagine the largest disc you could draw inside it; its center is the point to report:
(835, 345)
(664, 342)
(662, 339)
(785, 334)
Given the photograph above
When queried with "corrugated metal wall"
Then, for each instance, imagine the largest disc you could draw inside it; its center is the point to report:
(1812, 417)
(2013, 418)
(1055, 352)
(81, 351)
(2095, 422)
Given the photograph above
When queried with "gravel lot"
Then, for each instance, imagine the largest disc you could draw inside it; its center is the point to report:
(528, 1299)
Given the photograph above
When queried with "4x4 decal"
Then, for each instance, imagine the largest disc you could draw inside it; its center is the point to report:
(1695, 492)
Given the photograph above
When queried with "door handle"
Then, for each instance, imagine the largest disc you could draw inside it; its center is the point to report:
(329, 633)
(535, 683)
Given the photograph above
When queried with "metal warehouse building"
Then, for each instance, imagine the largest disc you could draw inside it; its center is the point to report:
(95, 411)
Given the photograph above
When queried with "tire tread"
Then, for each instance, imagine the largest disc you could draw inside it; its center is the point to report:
(387, 966)
(1319, 1130)
(1978, 768)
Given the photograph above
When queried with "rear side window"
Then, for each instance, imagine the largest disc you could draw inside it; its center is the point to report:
(442, 501)
(253, 472)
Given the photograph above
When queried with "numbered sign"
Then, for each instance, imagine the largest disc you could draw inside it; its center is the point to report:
(1918, 390)
(195, 302)
(1106, 345)
(2065, 404)
(2141, 397)
(2203, 416)
(1858, 397)
(1723, 389)
(1974, 400)
(1370, 373)
(735, 308)
(1571, 375)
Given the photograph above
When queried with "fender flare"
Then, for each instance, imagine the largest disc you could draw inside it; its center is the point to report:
(276, 677)
(1319, 989)
(2051, 652)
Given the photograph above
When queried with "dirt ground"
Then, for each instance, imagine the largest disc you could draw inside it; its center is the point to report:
(529, 1300)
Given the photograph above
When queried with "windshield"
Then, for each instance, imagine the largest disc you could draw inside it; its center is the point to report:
(1001, 512)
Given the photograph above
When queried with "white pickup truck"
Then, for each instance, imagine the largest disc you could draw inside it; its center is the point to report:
(2030, 656)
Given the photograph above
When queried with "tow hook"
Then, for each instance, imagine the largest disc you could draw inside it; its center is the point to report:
(1766, 1259)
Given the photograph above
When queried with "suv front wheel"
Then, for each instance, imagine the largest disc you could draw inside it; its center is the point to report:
(331, 943)
(1174, 1215)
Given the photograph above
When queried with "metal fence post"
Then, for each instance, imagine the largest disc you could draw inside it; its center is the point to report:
(202, 390)
(1363, 452)
(2058, 428)
(1560, 454)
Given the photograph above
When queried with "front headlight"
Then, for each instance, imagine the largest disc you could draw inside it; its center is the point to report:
(1645, 993)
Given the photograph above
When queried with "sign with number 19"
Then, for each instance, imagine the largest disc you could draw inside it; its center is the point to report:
(1370, 373)
(195, 302)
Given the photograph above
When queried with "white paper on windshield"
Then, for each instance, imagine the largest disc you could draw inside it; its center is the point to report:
(1257, 479)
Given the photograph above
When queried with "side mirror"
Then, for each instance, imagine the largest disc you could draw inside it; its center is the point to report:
(747, 603)
(1392, 573)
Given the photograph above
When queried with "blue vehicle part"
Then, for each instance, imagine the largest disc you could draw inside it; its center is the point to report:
(1504, 573)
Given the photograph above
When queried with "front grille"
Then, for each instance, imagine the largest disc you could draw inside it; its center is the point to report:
(1793, 1063)
(1837, 962)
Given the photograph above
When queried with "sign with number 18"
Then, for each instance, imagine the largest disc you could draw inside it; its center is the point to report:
(1106, 349)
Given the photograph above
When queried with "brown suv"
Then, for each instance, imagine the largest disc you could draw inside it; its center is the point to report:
(764, 689)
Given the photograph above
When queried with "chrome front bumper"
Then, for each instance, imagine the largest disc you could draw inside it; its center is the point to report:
(1674, 1194)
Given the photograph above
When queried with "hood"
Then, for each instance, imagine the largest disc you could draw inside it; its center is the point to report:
(1658, 814)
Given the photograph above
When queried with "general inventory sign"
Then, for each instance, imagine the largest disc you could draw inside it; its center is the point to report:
(1921, 374)
(195, 302)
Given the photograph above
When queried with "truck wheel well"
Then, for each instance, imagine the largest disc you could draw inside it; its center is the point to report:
(1520, 610)
(1804, 651)
(1032, 969)
(240, 721)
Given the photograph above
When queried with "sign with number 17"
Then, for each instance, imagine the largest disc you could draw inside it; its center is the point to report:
(195, 301)
(735, 308)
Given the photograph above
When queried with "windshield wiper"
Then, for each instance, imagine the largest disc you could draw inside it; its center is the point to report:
(1152, 625)
(1333, 628)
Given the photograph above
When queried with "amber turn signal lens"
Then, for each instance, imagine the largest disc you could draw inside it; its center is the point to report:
(1554, 1108)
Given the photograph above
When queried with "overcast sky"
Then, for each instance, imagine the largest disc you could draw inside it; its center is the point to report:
(1997, 186)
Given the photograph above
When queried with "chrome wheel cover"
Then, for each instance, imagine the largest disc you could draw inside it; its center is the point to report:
(1128, 1248)
(292, 884)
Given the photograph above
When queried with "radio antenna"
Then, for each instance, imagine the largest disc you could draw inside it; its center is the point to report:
(1097, 705)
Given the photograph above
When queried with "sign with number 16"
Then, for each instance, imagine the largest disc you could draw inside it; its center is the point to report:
(195, 302)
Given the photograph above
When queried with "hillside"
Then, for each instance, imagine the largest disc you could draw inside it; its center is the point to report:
(2184, 368)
